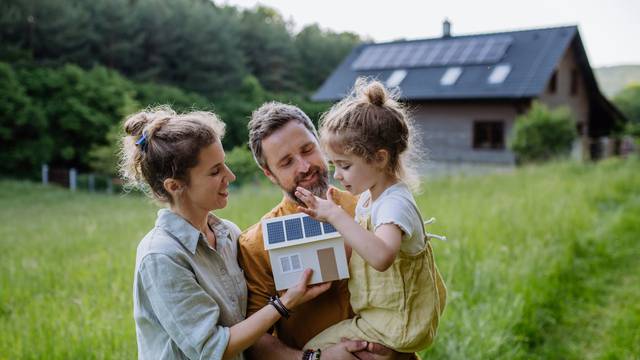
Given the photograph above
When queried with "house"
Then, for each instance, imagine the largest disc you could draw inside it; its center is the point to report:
(296, 242)
(465, 92)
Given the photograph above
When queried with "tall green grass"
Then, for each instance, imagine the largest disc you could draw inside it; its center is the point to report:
(540, 263)
(523, 252)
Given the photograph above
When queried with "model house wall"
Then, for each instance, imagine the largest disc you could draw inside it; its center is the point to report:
(297, 242)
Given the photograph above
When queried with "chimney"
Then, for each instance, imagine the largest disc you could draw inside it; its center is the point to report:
(446, 28)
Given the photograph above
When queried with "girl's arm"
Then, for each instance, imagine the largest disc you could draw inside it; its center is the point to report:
(378, 249)
(245, 333)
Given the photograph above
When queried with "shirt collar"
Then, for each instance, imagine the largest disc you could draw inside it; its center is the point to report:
(288, 205)
(186, 233)
(180, 228)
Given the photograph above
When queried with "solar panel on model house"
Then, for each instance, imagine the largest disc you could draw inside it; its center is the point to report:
(296, 229)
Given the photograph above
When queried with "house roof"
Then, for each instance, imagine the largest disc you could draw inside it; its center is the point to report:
(295, 229)
(529, 58)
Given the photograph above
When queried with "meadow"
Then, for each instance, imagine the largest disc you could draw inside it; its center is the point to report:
(541, 263)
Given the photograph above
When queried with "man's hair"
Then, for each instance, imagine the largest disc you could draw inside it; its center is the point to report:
(267, 119)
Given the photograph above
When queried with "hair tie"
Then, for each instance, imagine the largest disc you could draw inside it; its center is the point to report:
(142, 142)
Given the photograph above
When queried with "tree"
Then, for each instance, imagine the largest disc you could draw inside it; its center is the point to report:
(320, 52)
(268, 48)
(235, 110)
(150, 94)
(23, 128)
(542, 134)
(189, 44)
(116, 36)
(79, 107)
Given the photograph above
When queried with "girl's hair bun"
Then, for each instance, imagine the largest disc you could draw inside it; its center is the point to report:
(376, 93)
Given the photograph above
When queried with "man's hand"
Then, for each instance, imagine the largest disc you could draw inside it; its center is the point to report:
(344, 350)
(376, 351)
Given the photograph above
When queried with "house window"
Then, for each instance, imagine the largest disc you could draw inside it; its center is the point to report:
(574, 82)
(488, 135)
(553, 83)
(290, 263)
(450, 76)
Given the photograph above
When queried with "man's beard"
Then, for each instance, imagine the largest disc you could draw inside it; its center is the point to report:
(319, 188)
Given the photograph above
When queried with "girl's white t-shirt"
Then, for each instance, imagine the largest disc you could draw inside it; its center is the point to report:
(394, 206)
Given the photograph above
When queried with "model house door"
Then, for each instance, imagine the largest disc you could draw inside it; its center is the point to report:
(328, 265)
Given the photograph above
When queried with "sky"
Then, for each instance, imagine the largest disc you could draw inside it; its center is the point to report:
(610, 30)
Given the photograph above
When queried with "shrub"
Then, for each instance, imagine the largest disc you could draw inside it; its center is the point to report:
(628, 101)
(543, 134)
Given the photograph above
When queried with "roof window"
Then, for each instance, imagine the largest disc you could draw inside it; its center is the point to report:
(450, 76)
(395, 78)
(499, 74)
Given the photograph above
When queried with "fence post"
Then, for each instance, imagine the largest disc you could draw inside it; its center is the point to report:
(45, 174)
(73, 179)
(92, 182)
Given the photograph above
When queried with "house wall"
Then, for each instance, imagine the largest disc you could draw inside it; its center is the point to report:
(309, 259)
(578, 103)
(446, 128)
(446, 131)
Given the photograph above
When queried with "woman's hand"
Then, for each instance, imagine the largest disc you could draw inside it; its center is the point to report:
(302, 292)
(317, 208)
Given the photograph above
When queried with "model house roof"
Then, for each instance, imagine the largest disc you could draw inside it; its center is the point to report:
(295, 229)
(515, 64)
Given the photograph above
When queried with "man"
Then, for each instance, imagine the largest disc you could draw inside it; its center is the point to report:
(285, 145)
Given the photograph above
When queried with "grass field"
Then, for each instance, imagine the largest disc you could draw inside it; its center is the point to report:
(541, 263)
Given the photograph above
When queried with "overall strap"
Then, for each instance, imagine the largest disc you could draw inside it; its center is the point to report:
(427, 235)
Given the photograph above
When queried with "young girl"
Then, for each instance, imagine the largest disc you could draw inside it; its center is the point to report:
(396, 290)
(189, 294)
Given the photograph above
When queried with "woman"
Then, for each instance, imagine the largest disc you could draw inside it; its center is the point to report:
(189, 293)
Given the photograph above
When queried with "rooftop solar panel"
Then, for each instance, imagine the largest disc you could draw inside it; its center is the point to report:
(488, 49)
(294, 229)
(328, 228)
(275, 230)
(311, 227)
(297, 229)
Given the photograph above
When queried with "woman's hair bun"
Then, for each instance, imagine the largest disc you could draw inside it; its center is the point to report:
(136, 123)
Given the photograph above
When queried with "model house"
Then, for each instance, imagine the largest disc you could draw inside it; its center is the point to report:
(296, 242)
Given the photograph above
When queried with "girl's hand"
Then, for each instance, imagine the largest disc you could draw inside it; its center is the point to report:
(302, 292)
(317, 208)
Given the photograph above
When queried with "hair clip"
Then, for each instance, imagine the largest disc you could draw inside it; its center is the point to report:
(142, 141)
